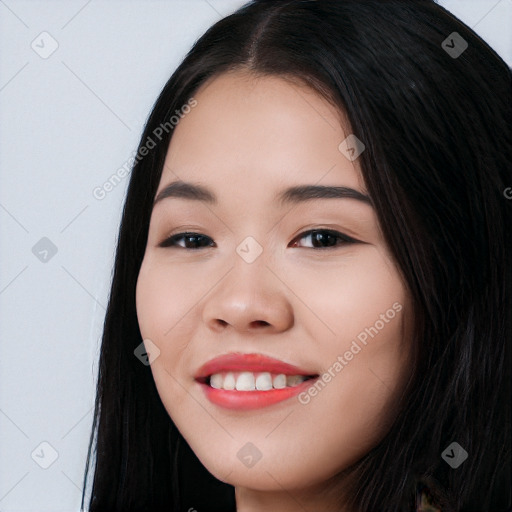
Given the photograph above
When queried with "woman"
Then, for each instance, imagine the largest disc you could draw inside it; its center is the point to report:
(246, 365)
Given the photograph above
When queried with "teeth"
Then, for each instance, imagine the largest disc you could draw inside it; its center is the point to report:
(264, 381)
(245, 382)
(229, 381)
(216, 381)
(279, 381)
(249, 381)
(294, 380)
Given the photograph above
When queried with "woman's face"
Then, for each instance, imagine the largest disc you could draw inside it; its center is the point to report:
(253, 279)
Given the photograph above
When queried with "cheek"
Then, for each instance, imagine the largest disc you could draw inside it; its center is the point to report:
(165, 296)
(349, 296)
(165, 300)
(361, 306)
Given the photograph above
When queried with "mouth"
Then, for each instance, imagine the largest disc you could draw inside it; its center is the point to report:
(251, 381)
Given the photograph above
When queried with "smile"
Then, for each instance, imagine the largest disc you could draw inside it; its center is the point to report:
(251, 381)
(254, 398)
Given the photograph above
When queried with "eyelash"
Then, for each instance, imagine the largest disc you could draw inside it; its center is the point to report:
(172, 240)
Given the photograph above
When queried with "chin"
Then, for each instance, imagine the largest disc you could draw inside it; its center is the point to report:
(274, 471)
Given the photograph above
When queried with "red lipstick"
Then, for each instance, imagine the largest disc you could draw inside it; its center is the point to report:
(254, 363)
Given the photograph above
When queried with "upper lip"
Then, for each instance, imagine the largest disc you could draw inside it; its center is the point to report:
(236, 361)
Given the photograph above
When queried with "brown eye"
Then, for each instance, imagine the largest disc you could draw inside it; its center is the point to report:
(326, 239)
(191, 241)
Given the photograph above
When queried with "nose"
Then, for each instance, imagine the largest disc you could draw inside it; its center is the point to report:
(249, 298)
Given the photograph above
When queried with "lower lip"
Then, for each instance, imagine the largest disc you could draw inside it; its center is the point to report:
(247, 400)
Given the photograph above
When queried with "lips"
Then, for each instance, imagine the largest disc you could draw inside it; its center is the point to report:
(289, 380)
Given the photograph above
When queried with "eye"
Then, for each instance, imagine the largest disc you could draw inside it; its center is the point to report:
(194, 240)
(325, 238)
(320, 239)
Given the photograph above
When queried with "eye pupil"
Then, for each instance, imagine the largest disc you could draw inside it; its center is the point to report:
(320, 235)
(192, 237)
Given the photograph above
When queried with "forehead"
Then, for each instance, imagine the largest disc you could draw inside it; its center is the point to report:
(257, 133)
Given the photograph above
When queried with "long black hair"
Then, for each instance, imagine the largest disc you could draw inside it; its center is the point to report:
(433, 109)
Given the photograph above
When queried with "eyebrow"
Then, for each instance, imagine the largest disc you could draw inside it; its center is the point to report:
(293, 195)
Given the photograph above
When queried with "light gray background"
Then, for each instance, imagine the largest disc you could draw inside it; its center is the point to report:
(68, 122)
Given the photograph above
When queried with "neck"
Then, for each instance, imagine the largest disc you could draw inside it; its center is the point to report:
(325, 497)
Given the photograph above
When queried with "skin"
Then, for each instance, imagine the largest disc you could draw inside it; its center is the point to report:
(247, 139)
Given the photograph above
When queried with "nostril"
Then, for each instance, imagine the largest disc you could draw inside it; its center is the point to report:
(257, 323)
